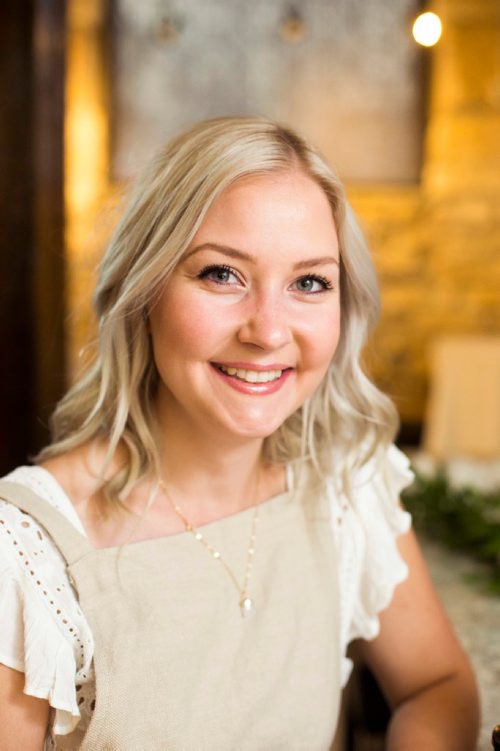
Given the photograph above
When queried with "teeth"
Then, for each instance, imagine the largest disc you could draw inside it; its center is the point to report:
(253, 376)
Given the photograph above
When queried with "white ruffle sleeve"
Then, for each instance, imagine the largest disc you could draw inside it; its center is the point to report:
(43, 632)
(365, 529)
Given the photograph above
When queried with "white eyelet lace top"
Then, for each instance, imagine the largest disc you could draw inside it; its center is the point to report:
(44, 634)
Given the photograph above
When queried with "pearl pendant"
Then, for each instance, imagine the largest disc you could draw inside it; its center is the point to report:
(246, 606)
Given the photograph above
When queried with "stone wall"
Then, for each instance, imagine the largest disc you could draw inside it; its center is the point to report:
(437, 246)
(322, 66)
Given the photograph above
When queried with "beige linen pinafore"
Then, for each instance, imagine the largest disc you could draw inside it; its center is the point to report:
(177, 667)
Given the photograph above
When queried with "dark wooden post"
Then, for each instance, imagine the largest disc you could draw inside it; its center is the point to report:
(49, 44)
(31, 219)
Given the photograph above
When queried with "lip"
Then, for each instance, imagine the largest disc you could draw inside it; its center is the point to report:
(239, 365)
(254, 389)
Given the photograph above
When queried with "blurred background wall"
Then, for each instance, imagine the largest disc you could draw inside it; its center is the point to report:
(92, 87)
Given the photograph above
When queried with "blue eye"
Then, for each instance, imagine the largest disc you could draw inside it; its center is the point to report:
(219, 274)
(312, 284)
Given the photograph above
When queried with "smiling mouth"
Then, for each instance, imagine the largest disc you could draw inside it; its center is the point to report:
(252, 376)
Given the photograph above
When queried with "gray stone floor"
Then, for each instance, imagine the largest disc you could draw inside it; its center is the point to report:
(476, 618)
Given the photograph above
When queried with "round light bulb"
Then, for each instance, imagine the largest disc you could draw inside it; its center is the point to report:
(427, 29)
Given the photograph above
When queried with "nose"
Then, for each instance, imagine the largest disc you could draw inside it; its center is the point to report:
(266, 323)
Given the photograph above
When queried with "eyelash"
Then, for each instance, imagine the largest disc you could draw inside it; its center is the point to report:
(204, 273)
(327, 284)
(217, 267)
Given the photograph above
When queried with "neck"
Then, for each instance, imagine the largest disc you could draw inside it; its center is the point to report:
(195, 465)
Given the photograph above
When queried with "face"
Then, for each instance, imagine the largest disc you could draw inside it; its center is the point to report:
(249, 321)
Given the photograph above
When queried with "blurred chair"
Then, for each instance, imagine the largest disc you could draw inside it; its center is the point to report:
(463, 414)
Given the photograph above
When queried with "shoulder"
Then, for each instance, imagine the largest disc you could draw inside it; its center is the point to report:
(46, 486)
(372, 497)
(377, 486)
(389, 467)
(78, 471)
(82, 471)
(43, 632)
(366, 525)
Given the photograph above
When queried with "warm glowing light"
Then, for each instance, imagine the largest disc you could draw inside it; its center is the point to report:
(427, 29)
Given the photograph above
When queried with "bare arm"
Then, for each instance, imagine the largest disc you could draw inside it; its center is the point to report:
(422, 668)
(23, 719)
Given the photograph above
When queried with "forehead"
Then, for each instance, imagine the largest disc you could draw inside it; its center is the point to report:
(293, 189)
(277, 209)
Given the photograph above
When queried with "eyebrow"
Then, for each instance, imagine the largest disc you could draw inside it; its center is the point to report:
(241, 255)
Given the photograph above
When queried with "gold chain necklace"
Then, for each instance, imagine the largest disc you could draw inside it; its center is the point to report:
(246, 603)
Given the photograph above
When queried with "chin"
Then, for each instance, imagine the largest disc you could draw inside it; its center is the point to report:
(252, 431)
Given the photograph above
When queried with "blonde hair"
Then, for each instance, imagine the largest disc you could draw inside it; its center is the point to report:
(347, 417)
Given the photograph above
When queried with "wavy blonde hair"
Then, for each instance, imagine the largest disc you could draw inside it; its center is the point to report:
(347, 417)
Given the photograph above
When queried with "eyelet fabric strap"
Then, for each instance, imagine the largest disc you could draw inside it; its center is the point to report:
(71, 543)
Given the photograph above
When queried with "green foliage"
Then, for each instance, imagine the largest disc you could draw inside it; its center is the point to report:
(465, 519)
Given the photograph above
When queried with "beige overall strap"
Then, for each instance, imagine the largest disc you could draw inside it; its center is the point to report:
(72, 544)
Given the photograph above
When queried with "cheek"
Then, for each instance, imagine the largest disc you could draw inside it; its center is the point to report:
(322, 339)
(185, 328)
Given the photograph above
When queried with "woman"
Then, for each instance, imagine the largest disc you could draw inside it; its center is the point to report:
(217, 515)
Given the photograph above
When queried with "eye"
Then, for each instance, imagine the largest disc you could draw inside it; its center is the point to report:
(219, 274)
(312, 284)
